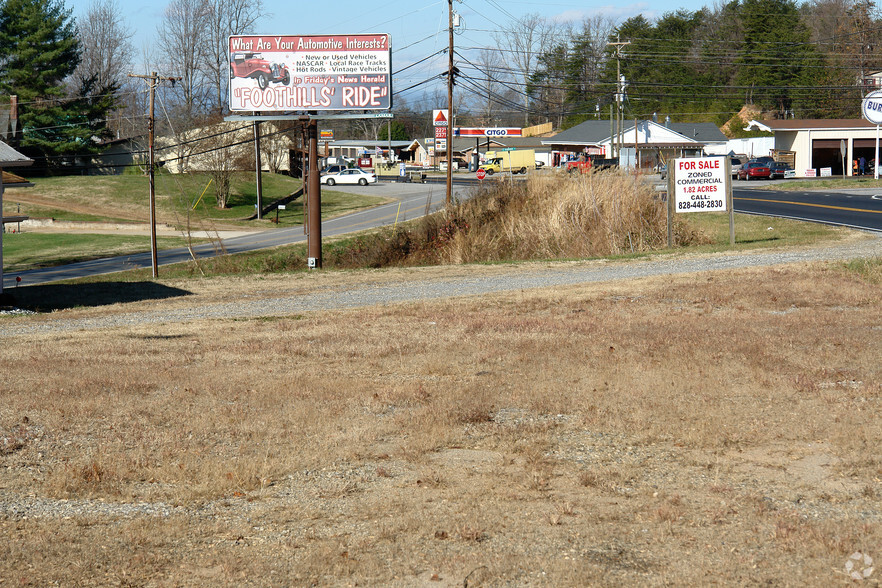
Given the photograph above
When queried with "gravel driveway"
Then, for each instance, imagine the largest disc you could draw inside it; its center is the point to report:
(476, 282)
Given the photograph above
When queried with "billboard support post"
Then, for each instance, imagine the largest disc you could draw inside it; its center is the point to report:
(314, 206)
(730, 202)
(258, 168)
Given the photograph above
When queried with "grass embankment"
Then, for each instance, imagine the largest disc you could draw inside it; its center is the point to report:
(827, 184)
(547, 217)
(180, 202)
(181, 199)
(24, 251)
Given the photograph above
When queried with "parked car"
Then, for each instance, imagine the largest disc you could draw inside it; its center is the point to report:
(663, 171)
(350, 176)
(778, 169)
(754, 170)
(764, 159)
(333, 169)
(253, 65)
(737, 164)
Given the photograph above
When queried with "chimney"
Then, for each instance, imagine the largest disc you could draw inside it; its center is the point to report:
(13, 114)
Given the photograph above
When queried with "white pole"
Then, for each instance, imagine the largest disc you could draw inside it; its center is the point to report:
(876, 163)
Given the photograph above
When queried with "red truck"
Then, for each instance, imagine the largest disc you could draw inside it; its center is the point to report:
(591, 163)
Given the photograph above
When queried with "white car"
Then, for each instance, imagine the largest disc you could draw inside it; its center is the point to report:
(350, 176)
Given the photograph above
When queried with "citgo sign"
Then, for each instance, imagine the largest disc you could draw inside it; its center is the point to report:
(483, 132)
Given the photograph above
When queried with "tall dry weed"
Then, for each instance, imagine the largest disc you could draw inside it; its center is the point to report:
(547, 217)
(550, 216)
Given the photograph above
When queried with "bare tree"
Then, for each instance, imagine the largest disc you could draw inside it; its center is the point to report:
(489, 63)
(104, 42)
(368, 128)
(225, 18)
(275, 144)
(100, 79)
(181, 38)
(523, 41)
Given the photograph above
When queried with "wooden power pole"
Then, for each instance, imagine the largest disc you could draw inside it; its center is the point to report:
(152, 80)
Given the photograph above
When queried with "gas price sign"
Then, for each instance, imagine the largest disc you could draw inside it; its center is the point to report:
(700, 184)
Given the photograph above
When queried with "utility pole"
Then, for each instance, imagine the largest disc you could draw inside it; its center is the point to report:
(449, 102)
(152, 80)
(620, 91)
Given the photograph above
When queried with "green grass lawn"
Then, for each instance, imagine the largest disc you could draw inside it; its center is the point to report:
(179, 197)
(858, 182)
(181, 200)
(753, 231)
(22, 251)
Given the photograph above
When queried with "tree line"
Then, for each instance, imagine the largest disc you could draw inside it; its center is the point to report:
(781, 58)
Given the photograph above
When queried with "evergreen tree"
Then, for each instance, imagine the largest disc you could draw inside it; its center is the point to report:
(399, 133)
(775, 56)
(38, 50)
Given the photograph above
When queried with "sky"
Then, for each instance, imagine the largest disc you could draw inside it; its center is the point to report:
(418, 28)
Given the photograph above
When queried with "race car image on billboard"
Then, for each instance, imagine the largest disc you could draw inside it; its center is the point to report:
(253, 65)
(324, 72)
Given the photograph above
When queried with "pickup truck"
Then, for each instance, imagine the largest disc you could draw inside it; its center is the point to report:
(597, 163)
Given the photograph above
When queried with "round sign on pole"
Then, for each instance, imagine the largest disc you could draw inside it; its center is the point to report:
(871, 107)
(481, 174)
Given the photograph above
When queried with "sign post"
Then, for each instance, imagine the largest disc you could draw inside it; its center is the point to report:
(871, 108)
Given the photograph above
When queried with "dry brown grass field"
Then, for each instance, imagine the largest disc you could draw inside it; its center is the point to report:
(707, 429)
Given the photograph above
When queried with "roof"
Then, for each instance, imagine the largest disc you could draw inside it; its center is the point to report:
(597, 132)
(13, 181)
(701, 132)
(590, 132)
(9, 157)
(811, 124)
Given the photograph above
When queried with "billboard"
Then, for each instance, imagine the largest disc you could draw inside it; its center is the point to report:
(327, 72)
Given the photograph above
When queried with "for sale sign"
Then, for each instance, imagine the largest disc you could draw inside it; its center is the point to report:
(700, 184)
(330, 72)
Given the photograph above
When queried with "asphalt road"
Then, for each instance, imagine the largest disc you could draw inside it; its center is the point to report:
(860, 208)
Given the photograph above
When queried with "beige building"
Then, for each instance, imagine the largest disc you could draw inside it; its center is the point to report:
(227, 145)
(817, 143)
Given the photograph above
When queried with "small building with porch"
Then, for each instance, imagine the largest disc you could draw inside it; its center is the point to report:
(644, 144)
(9, 157)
